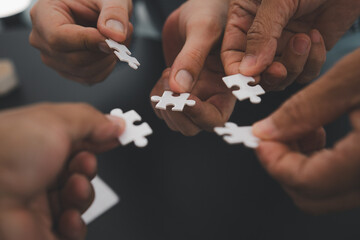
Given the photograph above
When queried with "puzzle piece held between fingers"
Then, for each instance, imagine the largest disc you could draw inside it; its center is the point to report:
(235, 135)
(245, 91)
(133, 133)
(167, 99)
(123, 53)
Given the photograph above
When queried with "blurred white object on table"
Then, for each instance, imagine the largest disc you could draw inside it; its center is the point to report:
(10, 8)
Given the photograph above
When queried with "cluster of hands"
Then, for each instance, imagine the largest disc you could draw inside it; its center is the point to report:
(47, 156)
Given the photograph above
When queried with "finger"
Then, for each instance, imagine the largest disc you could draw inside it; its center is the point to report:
(326, 205)
(82, 124)
(58, 28)
(316, 105)
(201, 36)
(79, 64)
(71, 37)
(168, 120)
(326, 173)
(316, 59)
(263, 35)
(182, 123)
(273, 77)
(71, 226)
(294, 59)
(113, 20)
(312, 142)
(84, 163)
(89, 80)
(240, 17)
(77, 193)
(213, 112)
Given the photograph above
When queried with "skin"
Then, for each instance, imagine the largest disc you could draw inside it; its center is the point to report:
(46, 163)
(191, 42)
(71, 35)
(318, 180)
(258, 32)
(192, 38)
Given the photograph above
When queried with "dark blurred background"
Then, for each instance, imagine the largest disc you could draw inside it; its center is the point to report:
(178, 187)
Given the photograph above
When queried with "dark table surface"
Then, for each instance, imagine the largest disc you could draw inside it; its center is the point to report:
(177, 187)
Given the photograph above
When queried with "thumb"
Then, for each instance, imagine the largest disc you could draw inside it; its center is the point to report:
(200, 39)
(113, 20)
(87, 128)
(334, 94)
(267, 27)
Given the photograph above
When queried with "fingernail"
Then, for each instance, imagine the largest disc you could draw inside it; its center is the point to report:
(265, 129)
(119, 122)
(185, 80)
(301, 45)
(115, 25)
(315, 36)
(248, 61)
(104, 48)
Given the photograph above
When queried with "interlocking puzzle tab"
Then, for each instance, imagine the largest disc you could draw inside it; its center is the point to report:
(236, 135)
(123, 53)
(167, 99)
(133, 133)
(245, 91)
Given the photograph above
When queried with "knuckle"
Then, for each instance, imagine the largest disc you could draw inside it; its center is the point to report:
(53, 41)
(197, 56)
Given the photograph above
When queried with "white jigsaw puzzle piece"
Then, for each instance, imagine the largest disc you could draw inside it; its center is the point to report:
(235, 135)
(133, 133)
(105, 198)
(246, 91)
(123, 53)
(167, 99)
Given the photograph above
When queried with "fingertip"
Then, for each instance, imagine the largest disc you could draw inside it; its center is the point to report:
(71, 225)
(114, 20)
(301, 44)
(265, 129)
(315, 36)
(181, 81)
(248, 64)
(118, 123)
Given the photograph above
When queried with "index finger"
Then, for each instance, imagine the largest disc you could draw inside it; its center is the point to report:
(325, 173)
(55, 23)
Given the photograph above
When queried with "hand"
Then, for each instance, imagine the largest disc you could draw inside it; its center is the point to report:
(257, 31)
(71, 35)
(46, 162)
(319, 180)
(191, 38)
